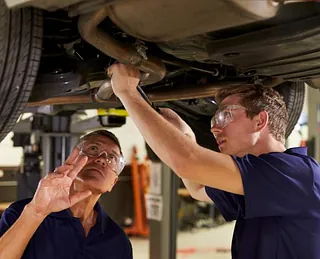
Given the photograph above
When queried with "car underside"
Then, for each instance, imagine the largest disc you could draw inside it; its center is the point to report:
(57, 52)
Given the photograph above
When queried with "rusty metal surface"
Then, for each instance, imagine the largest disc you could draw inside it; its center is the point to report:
(184, 92)
(159, 95)
(83, 98)
(167, 20)
(124, 53)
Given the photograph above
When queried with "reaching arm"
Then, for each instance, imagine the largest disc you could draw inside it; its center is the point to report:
(187, 159)
(197, 191)
(16, 238)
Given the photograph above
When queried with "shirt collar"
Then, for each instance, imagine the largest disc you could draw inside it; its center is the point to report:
(297, 150)
(101, 215)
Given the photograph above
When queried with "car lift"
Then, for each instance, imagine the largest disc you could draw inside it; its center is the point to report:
(48, 137)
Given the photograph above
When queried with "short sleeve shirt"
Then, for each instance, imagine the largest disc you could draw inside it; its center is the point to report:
(61, 236)
(279, 215)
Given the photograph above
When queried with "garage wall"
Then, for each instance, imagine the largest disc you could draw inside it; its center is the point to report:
(10, 156)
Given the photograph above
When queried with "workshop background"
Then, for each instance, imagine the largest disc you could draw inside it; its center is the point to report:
(201, 231)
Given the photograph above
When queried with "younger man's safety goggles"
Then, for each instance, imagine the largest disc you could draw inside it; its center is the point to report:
(224, 116)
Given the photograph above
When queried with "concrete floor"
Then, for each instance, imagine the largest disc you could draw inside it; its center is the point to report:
(211, 243)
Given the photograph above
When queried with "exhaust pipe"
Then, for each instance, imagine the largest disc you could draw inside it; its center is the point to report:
(124, 53)
(182, 92)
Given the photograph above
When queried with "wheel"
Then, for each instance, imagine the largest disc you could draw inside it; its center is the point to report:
(20, 53)
(293, 94)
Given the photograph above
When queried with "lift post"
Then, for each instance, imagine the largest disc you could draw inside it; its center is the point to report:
(163, 214)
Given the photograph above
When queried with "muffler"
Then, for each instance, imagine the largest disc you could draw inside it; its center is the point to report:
(124, 53)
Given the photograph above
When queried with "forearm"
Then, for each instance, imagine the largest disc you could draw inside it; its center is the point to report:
(196, 190)
(17, 237)
(171, 145)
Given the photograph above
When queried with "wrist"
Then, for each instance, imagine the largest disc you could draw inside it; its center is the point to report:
(127, 93)
(34, 211)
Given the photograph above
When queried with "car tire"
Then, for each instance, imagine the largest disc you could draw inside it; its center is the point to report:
(20, 53)
(293, 94)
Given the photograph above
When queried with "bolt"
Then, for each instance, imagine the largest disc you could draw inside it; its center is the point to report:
(215, 72)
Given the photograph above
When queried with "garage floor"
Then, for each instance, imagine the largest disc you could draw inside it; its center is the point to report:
(211, 243)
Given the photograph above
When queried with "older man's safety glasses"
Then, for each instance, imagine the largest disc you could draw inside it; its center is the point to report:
(115, 161)
(224, 116)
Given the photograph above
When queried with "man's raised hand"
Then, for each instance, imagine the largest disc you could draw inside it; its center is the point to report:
(124, 78)
(53, 192)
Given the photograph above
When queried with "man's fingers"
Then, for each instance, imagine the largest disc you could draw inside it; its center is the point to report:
(77, 167)
(61, 174)
(73, 157)
(63, 169)
(78, 196)
(67, 166)
(112, 69)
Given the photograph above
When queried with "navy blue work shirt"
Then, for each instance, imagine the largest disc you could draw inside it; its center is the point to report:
(279, 215)
(62, 236)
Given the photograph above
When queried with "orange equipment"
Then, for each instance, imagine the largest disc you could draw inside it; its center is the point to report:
(139, 175)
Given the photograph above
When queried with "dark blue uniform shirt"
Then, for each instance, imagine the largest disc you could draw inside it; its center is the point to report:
(279, 215)
(62, 236)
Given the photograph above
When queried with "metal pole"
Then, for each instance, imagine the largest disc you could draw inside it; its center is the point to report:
(163, 213)
(46, 154)
(63, 150)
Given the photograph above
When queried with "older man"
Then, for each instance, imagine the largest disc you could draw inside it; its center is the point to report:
(64, 218)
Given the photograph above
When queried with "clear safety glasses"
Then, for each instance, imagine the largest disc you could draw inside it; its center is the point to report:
(224, 116)
(115, 161)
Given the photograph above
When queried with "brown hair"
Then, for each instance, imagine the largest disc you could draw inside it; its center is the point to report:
(104, 133)
(256, 99)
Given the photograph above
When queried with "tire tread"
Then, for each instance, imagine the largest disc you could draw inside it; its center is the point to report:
(20, 54)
